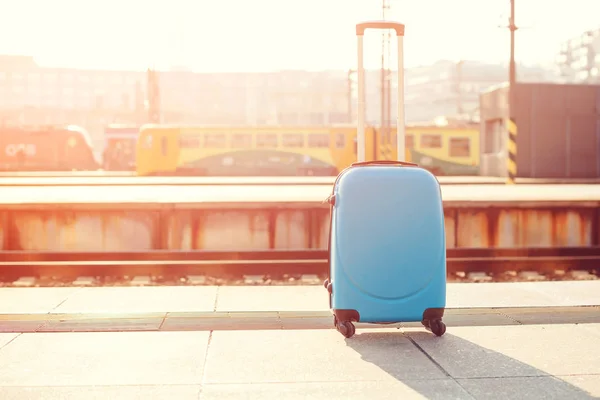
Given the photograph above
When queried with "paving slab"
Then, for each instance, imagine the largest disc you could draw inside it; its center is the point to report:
(509, 351)
(152, 392)
(442, 389)
(525, 362)
(272, 298)
(523, 294)
(553, 315)
(140, 299)
(95, 324)
(476, 363)
(5, 338)
(312, 356)
(33, 300)
(588, 383)
(107, 359)
(594, 328)
(571, 292)
(524, 388)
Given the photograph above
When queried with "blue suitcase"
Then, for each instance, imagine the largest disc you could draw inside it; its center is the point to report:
(387, 243)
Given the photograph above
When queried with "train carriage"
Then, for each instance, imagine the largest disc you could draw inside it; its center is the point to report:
(445, 150)
(120, 147)
(46, 148)
(288, 151)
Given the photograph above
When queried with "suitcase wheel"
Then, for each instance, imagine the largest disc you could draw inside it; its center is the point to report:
(436, 326)
(346, 328)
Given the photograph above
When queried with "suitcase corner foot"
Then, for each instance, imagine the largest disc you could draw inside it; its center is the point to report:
(435, 326)
(342, 321)
(346, 328)
(432, 321)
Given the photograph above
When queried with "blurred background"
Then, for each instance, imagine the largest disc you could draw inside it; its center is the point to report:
(98, 63)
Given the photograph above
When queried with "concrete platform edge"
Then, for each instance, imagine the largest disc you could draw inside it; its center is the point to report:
(209, 321)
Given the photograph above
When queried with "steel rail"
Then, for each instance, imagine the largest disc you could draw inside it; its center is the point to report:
(278, 262)
(262, 255)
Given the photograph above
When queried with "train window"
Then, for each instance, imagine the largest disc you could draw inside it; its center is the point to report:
(460, 147)
(148, 142)
(340, 140)
(409, 141)
(318, 140)
(292, 140)
(431, 141)
(215, 140)
(72, 141)
(163, 145)
(266, 140)
(243, 140)
(189, 142)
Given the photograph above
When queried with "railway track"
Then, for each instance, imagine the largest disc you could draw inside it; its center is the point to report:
(277, 266)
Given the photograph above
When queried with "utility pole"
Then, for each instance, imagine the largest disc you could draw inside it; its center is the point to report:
(512, 124)
(153, 97)
(459, 108)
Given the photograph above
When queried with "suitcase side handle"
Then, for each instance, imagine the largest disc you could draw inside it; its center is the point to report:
(384, 162)
(363, 26)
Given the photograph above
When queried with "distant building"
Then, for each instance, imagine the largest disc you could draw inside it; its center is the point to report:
(449, 88)
(30, 94)
(579, 59)
(94, 98)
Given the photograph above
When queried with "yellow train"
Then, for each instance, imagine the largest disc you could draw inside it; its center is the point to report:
(285, 151)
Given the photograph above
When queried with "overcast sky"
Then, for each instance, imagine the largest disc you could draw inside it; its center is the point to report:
(268, 35)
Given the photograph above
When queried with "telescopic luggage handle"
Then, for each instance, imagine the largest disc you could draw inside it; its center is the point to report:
(360, 31)
(384, 162)
(361, 27)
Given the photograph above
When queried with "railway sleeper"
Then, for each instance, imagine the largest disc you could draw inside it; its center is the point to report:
(258, 279)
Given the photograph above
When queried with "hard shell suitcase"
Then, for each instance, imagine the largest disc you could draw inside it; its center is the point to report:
(387, 245)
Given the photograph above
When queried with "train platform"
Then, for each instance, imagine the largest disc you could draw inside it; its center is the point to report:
(545, 348)
(164, 308)
(291, 195)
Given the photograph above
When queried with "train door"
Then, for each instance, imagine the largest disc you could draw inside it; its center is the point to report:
(72, 152)
(119, 154)
(158, 151)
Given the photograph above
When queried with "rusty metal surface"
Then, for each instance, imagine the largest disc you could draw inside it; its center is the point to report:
(79, 230)
(277, 228)
(508, 228)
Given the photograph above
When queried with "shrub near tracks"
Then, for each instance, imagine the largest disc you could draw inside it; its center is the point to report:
(277, 266)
